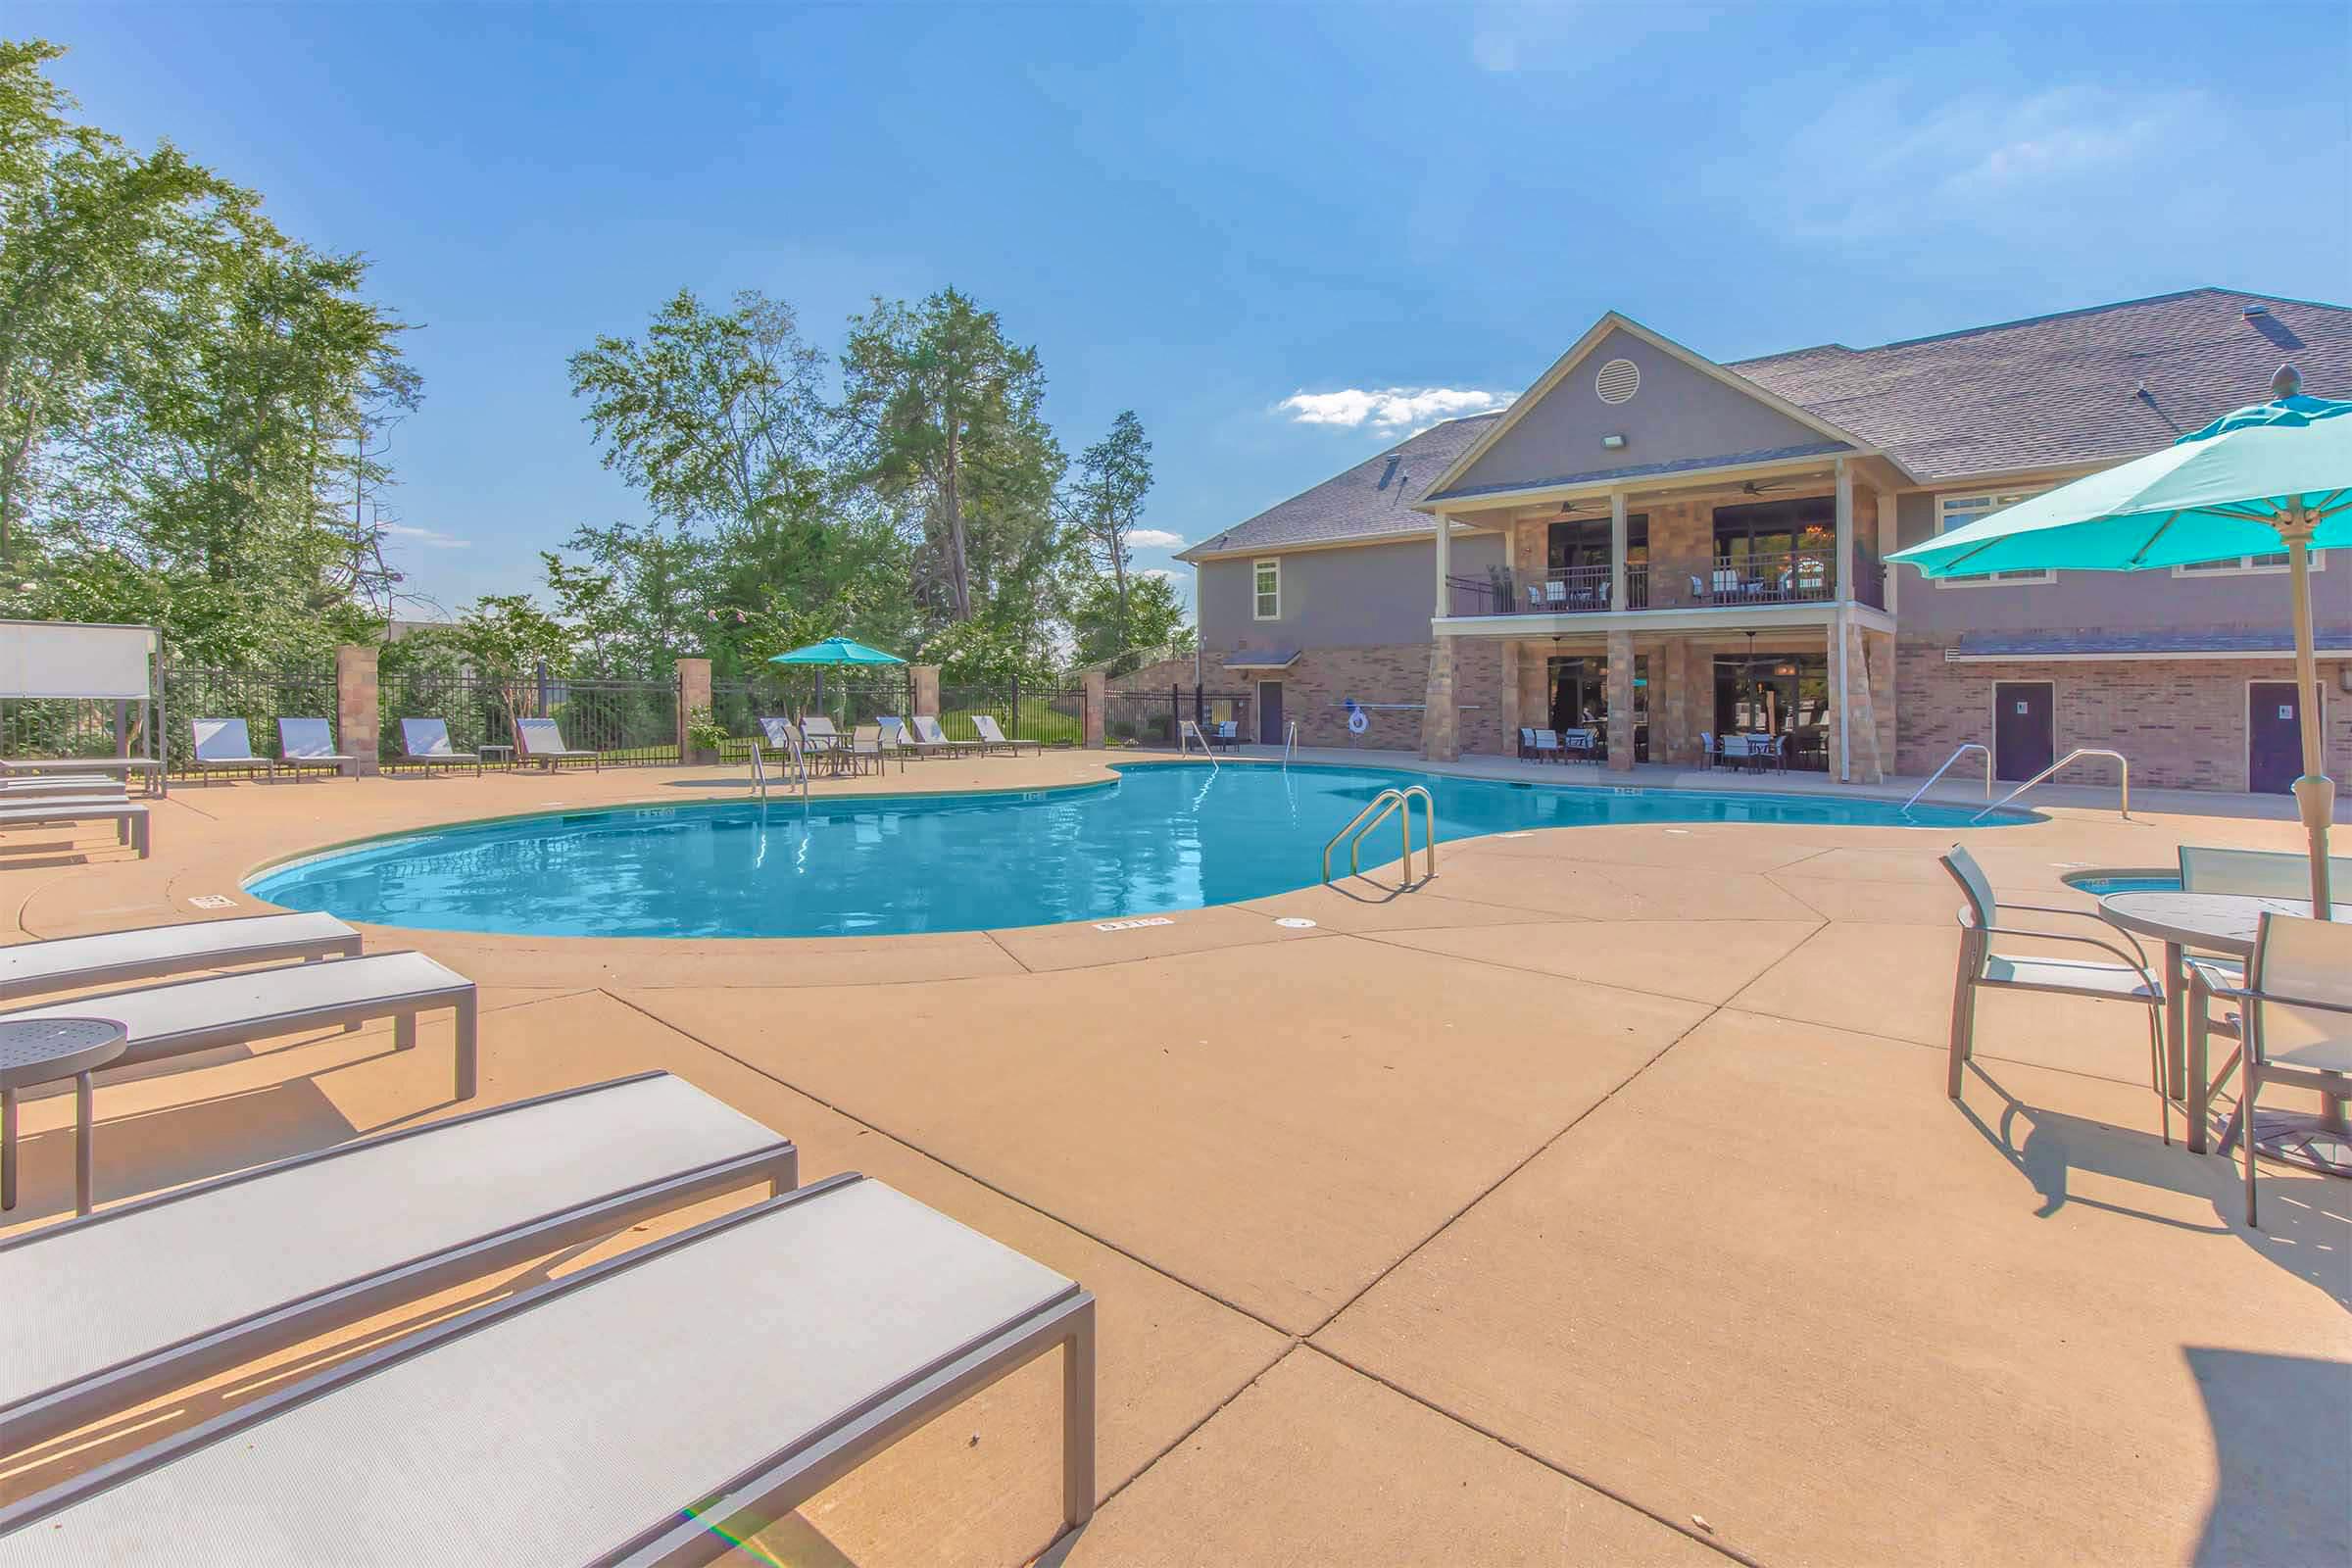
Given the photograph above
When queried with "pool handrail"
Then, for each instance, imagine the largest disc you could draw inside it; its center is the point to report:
(1188, 731)
(1290, 742)
(1964, 748)
(1375, 813)
(2123, 808)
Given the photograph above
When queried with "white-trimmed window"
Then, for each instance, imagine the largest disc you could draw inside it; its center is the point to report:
(1265, 581)
(2257, 565)
(1958, 512)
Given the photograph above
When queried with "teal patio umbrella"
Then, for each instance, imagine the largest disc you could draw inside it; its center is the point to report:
(834, 652)
(2274, 477)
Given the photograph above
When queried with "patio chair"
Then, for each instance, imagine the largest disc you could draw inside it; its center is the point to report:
(309, 744)
(223, 745)
(2260, 873)
(424, 743)
(2132, 981)
(995, 739)
(1555, 594)
(1578, 744)
(817, 733)
(865, 745)
(1706, 747)
(927, 731)
(1224, 734)
(1535, 599)
(1542, 745)
(185, 1016)
(2295, 1013)
(269, 1258)
(542, 742)
(764, 1354)
(128, 815)
(67, 964)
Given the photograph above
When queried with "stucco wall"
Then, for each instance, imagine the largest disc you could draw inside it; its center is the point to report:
(1678, 414)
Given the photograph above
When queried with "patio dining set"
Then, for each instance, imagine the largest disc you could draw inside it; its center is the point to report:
(2244, 958)
(824, 749)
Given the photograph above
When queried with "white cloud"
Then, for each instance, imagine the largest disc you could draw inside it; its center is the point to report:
(1161, 572)
(1154, 539)
(1390, 409)
(425, 538)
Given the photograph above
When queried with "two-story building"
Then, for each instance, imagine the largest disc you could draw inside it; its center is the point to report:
(1662, 549)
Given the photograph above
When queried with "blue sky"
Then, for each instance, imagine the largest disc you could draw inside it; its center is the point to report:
(1285, 235)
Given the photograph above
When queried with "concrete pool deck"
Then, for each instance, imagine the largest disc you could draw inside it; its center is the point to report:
(1597, 1203)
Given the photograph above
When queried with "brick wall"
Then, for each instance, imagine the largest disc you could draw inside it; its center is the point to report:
(2182, 722)
(1313, 688)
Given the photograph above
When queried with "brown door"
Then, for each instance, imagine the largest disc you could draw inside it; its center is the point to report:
(2274, 737)
(2023, 740)
(1269, 712)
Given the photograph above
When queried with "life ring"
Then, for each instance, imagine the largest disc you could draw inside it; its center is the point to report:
(1359, 720)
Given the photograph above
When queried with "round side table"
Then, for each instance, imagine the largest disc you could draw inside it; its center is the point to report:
(42, 1050)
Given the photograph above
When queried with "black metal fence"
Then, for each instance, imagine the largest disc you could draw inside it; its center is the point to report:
(261, 698)
(1047, 712)
(479, 713)
(738, 704)
(623, 722)
(73, 726)
(1152, 720)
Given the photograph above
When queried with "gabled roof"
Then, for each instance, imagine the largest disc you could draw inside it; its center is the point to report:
(2053, 391)
(1370, 501)
(1594, 335)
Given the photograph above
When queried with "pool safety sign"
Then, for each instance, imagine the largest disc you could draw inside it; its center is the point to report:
(1130, 925)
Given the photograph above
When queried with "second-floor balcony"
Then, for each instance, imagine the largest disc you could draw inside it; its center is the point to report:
(1754, 578)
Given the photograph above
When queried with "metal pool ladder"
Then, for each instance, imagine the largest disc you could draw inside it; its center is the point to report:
(1290, 742)
(2119, 759)
(1965, 747)
(800, 765)
(1187, 732)
(1377, 812)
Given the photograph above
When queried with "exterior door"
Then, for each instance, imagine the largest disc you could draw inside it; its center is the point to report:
(2274, 737)
(2025, 740)
(1269, 712)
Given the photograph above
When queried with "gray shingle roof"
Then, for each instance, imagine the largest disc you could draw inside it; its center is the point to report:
(1643, 471)
(2255, 643)
(1373, 499)
(2063, 389)
(2044, 392)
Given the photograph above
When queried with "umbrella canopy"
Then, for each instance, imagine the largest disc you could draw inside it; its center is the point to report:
(2272, 476)
(835, 651)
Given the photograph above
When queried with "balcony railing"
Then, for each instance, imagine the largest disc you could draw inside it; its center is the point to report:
(1763, 577)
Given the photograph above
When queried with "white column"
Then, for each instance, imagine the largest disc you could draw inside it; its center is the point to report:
(1889, 541)
(1617, 549)
(1445, 554)
(1845, 531)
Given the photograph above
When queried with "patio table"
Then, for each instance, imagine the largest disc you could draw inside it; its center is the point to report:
(2226, 923)
(40, 1050)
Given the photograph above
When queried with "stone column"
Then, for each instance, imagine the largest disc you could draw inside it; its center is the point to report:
(1511, 721)
(694, 691)
(926, 691)
(1621, 702)
(1098, 695)
(1845, 531)
(1620, 533)
(357, 709)
(1441, 723)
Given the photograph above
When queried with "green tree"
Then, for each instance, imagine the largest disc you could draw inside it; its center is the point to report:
(1104, 503)
(1123, 628)
(946, 424)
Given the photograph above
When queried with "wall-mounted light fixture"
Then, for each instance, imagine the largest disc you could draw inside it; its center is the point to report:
(2343, 676)
(1614, 443)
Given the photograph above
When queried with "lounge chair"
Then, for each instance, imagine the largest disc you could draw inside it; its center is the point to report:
(65, 964)
(254, 1262)
(2131, 981)
(912, 743)
(651, 1407)
(116, 769)
(995, 739)
(424, 743)
(2295, 1013)
(928, 732)
(128, 816)
(543, 743)
(185, 1016)
(307, 745)
(781, 737)
(51, 785)
(223, 745)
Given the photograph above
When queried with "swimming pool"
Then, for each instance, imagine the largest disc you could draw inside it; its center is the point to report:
(1163, 837)
(2099, 884)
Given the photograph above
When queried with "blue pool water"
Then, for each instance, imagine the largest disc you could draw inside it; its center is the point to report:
(1160, 838)
(2098, 887)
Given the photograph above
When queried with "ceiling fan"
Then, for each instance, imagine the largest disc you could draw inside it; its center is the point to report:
(1763, 487)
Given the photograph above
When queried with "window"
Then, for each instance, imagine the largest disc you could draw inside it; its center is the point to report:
(2275, 561)
(1957, 511)
(1266, 578)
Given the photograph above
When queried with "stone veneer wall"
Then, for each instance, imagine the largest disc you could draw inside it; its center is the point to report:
(2182, 722)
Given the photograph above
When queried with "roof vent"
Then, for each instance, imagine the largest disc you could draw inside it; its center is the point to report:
(2256, 310)
(1388, 472)
(1618, 381)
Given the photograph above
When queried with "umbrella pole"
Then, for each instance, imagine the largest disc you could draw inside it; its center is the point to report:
(2315, 795)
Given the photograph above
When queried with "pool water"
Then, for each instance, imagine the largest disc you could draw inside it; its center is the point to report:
(2098, 887)
(1164, 837)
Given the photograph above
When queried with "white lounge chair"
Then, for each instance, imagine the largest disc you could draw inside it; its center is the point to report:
(309, 745)
(993, 739)
(424, 743)
(223, 745)
(66, 963)
(49, 786)
(781, 737)
(931, 736)
(910, 743)
(128, 816)
(766, 1354)
(184, 1017)
(2294, 1014)
(270, 1257)
(543, 743)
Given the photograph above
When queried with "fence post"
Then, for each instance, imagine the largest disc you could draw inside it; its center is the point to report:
(1095, 699)
(923, 695)
(1013, 720)
(694, 691)
(357, 707)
